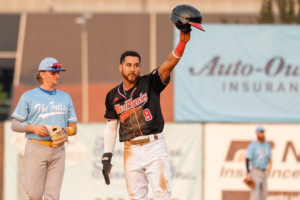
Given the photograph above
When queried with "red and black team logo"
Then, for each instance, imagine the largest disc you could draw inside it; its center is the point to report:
(138, 109)
(132, 116)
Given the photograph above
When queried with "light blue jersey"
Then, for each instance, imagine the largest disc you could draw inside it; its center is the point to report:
(259, 154)
(39, 108)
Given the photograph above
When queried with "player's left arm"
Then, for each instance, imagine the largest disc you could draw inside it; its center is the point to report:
(72, 119)
(269, 166)
(73, 126)
(174, 57)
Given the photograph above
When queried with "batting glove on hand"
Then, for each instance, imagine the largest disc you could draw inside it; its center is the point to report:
(106, 159)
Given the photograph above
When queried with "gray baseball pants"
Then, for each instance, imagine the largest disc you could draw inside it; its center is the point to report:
(260, 192)
(44, 166)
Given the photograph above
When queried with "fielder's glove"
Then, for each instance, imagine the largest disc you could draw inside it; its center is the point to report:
(58, 134)
(106, 159)
(250, 184)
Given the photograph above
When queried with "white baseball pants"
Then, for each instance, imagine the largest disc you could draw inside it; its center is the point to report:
(147, 163)
(260, 192)
(44, 168)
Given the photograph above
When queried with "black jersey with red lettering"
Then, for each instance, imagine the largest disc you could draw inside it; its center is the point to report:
(137, 109)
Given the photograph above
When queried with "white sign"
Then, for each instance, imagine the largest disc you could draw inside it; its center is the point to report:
(83, 177)
(225, 169)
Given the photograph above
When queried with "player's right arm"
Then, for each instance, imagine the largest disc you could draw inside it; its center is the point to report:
(248, 176)
(249, 157)
(110, 135)
(39, 130)
(20, 115)
(18, 126)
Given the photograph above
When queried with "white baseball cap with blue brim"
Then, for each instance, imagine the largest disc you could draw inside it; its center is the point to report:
(50, 65)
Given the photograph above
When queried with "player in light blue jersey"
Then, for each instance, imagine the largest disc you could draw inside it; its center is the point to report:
(259, 154)
(45, 105)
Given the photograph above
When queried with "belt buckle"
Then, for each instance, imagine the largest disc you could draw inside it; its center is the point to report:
(140, 142)
(143, 141)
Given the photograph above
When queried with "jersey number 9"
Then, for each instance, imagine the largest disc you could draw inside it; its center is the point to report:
(147, 114)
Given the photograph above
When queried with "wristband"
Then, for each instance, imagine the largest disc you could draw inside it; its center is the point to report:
(71, 131)
(175, 55)
(180, 47)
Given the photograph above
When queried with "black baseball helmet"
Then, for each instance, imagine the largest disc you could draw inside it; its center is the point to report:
(183, 16)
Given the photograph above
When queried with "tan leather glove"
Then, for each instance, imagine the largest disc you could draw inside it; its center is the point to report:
(58, 134)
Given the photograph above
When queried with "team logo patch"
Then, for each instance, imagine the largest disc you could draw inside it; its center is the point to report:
(116, 99)
(131, 103)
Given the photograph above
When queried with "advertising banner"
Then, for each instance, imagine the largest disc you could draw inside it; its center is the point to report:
(83, 177)
(225, 148)
(239, 73)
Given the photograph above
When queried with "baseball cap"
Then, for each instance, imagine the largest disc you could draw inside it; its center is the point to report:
(260, 129)
(51, 65)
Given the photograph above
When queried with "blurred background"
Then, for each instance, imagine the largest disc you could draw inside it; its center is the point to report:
(242, 72)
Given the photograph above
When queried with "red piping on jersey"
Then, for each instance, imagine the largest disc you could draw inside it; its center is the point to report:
(132, 92)
(120, 93)
(128, 113)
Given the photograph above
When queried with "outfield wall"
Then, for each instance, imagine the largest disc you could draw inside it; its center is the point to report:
(207, 162)
(83, 177)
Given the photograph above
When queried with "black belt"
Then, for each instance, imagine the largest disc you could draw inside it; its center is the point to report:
(259, 169)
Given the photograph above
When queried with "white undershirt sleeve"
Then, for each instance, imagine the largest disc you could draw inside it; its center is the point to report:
(18, 126)
(110, 135)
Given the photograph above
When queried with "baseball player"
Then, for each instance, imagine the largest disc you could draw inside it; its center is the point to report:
(259, 154)
(135, 104)
(50, 118)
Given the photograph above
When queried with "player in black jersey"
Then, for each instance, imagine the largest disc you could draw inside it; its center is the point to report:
(135, 103)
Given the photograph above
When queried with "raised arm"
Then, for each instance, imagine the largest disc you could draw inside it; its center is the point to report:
(174, 57)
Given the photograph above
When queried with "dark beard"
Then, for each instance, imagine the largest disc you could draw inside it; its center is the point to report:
(127, 79)
(262, 140)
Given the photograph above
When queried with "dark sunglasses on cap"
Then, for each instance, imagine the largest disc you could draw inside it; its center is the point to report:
(53, 66)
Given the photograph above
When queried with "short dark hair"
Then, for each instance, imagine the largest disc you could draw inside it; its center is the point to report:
(129, 53)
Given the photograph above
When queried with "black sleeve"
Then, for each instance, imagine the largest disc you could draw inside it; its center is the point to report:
(247, 165)
(156, 81)
(110, 113)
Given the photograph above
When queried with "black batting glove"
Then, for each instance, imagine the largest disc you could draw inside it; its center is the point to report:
(106, 160)
(185, 28)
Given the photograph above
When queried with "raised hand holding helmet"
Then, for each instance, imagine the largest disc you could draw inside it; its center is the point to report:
(184, 16)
